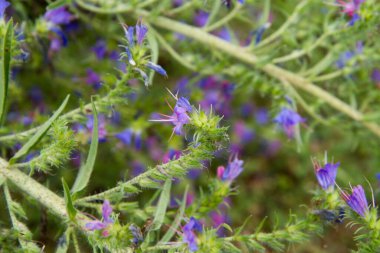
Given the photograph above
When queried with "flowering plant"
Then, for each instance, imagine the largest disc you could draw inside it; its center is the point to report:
(188, 126)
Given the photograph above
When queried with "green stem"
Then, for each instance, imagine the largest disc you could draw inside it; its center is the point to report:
(32, 188)
(241, 54)
(224, 20)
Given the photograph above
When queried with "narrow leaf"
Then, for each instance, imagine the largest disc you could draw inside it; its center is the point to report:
(173, 228)
(57, 4)
(5, 67)
(162, 205)
(40, 133)
(86, 170)
(153, 44)
(71, 211)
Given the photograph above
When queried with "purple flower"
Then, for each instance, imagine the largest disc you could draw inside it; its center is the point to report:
(58, 16)
(232, 171)
(179, 117)
(3, 5)
(156, 68)
(171, 155)
(200, 18)
(326, 175)
(243, 133)
(102, 132)
(218, 219)
(93, 79)
(100, 49)
(137, 235)
(125, 136)
(376, 76)
(141, 31)
(357, 200)
(106, 221)
(189, 235)
(287, 119)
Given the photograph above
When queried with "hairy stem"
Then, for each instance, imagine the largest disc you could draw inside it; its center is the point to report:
(241, 54)
(32, 188)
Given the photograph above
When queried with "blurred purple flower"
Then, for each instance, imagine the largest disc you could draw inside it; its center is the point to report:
(243, 133)
(189, 235)
(219, 218)
(100, 49)
(3, 5)
(357, 200)
(58, 16)
(93, 79)
(136, 233)
(326, 175)
(261, 116)
(228, 3)
(171, 155)
(125, 136)
(101, 126)
(287, 119)
(200, 18)
(376, 76)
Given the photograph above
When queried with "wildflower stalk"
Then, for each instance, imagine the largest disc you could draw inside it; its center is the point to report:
(202, 150)
(32, 188)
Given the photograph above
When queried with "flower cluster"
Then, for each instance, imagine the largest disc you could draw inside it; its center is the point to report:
(326, 176)
(135, 50)
(105, 222)
(351, 8)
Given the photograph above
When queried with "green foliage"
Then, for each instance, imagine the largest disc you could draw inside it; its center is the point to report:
(71, 211)
(58, 150)
(40, 133)
(85, 171)
(5, 65)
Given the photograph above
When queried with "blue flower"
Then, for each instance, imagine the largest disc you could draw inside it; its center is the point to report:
(137, 235)
(141, 31)
(287, 119)
(3, 5)
(232, 171)
(326, 175)
(58, 16)
(179, 117)
(156, 68)
(189, 235)
(125, 136)
(100, 49)
(357, 200)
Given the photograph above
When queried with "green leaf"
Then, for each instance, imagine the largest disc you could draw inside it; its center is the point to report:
(173, 228)
(162, 205)
(154, 50)
(64, 242)
(86, 170)
(57, 4)
(40, 133)
(71, 211)
(5, 67)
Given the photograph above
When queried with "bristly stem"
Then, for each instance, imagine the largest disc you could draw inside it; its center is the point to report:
(241, 54)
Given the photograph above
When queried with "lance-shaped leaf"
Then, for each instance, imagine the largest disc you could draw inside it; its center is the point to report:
(86, 170)
(5, 67)
(40, 133)
(58, 3)
(162, 205)
(173, 228)
(71, 211)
